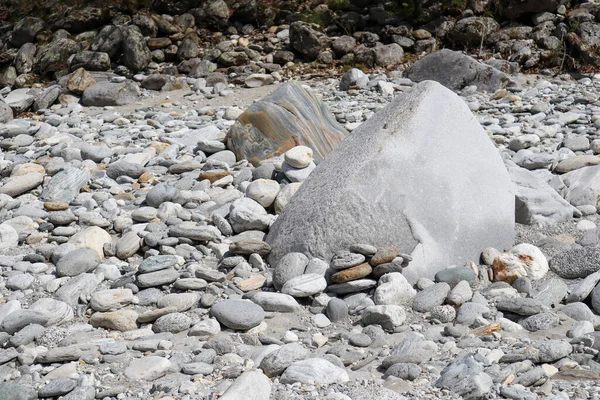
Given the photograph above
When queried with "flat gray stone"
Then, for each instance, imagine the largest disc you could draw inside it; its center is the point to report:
(77, 262)
(238, 314)
(456, 70)
(432, 296)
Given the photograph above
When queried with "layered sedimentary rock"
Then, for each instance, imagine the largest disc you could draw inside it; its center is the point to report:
(292, 115)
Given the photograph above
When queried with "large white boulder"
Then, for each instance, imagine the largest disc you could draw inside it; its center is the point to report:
(421, 175)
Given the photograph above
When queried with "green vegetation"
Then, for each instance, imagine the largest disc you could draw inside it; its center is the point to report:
(337, 5)
(322, 18)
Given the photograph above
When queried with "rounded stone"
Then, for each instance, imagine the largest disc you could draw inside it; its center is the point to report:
(174, 323)
(444, 313)
(77, 262)
(238, 314)
(336, 310)
(290, 266)
(304, 285)
(263, 191)
(299, 156)
(353, 273)
(384, 255)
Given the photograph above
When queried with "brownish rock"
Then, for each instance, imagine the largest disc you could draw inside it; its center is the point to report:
(79, 81)
(289, 117)
(247, 247)
(158, 43)
(213, 176)
(352, 274)
(56, 205)
(253, 283)
(384, 255)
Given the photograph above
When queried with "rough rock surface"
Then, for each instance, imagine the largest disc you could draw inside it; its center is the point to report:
(456, 70)
(348, 200)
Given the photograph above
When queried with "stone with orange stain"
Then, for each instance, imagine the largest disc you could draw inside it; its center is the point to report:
(384, 255)
(56, 206)
(247, 247)
(522, 260)
(253, 283)
(351, 274)
(159, 146)
(120, 320)
(27, 168)
(213, 176)
(147, 177)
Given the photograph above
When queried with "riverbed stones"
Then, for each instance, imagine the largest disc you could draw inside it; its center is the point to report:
(341, 192)
(311, 125)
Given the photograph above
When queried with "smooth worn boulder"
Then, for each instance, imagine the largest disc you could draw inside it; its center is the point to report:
(582, 186)
(289, 117)
(456, 70)
(6, 113)
(433, 187)
(110, 94)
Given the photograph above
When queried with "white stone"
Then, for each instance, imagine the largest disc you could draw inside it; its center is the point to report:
(263, 191)
(9, 238)
(147, 368)
(251, 385)
(299, 156)
(394, 289)
(314, 371)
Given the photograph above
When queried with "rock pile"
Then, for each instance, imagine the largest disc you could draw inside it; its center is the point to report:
(134, 254)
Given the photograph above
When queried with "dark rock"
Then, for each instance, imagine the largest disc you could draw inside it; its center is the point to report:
(306, 40)
(472, 31)
(82, 19)
(136, 54)
(513, 9)
(91, 61)
(456, 70)
(26, 30)
(109, 40)
(54, 56)
(25, 58)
